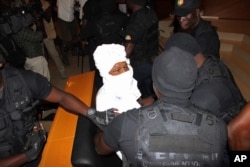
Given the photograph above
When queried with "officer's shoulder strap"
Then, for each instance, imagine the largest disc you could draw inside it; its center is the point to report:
(14, 78)
(12, 73)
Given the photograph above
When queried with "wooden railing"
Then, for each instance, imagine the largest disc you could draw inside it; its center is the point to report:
(57, 151)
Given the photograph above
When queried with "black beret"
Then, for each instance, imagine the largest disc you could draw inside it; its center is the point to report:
(174, 73)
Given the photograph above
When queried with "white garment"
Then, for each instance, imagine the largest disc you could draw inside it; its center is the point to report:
(118, 92)
(82, 3)
(106, 55)
(39, 65)
(66, 10)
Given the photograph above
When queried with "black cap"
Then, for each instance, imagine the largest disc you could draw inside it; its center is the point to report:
(185, 42)
(184, 7)
(174, 73)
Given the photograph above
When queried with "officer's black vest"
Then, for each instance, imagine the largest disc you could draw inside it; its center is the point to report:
(16, 113)
(216, 69)
(168, 135)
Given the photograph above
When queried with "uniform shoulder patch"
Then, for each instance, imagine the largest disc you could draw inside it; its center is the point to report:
(128, 37)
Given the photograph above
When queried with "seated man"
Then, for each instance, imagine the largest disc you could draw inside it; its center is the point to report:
(119, 88)
(119, 91)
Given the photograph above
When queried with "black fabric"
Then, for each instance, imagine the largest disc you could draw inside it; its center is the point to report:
(139, 2)
(206, 40)
(183, 41)
(15, 21)
(143, 29)
(25, 89)
(2, 55)
(91, 10)
(39, 86)
(12, 53)
(174, 73)
(223, 97)
(107, 5)
(168, 129)
(109, 28)
(121, 132)
(19, 107)
(206, 35)
(83, 153)
(6, 135)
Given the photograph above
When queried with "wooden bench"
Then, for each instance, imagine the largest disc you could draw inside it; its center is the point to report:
(57, 151)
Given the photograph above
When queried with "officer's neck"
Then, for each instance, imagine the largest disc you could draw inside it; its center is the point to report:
(199, 59)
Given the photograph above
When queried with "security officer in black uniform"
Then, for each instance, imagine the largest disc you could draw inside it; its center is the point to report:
(22, 137)
(215, 88)
(141, 43)
(188, 13)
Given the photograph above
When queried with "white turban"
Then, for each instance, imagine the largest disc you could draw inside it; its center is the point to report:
(107, 55)
(119, 91)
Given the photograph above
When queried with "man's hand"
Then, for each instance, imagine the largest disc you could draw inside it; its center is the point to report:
(101, 119)
(35, 141)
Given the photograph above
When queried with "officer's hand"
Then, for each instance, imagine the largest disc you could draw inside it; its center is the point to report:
(35, 141)
(101, 119)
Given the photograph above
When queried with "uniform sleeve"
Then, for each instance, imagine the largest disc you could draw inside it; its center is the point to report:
(209, 43)
(134, 30)
(112, 133)
(39, 86)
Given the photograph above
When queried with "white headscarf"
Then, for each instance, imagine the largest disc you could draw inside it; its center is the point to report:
(118, 91)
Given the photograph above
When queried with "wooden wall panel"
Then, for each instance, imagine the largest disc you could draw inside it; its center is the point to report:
(227, 9)
(224, 9)
(163, 8)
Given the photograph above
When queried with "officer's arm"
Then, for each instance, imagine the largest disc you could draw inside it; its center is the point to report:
(16, 160)
(100, 145)
(129, 48)
(74, 105)
(67, 101)
(239, 131)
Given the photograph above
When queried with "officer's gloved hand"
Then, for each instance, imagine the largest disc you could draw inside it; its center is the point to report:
(35, 141)
(101, 119)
